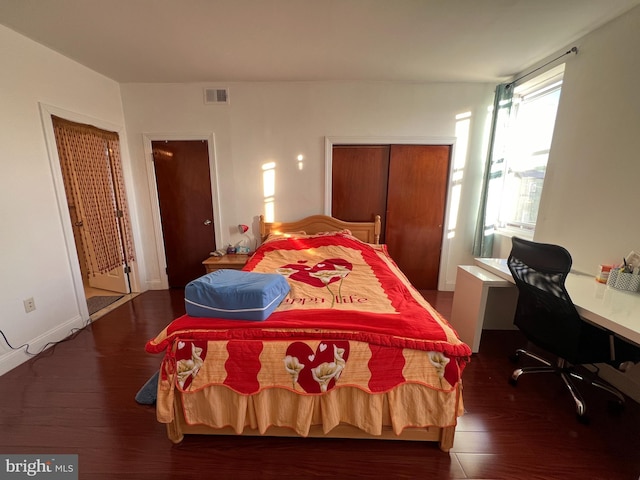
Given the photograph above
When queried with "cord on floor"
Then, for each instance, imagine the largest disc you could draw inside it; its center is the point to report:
(72, 334)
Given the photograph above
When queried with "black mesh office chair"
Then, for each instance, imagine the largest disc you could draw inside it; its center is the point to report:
(549, 320)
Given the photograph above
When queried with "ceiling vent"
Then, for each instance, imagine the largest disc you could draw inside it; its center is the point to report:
(216, 96)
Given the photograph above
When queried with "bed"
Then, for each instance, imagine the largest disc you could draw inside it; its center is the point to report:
(352, 351)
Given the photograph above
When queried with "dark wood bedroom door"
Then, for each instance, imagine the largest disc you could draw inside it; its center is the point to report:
(407, 186)
(186, 206)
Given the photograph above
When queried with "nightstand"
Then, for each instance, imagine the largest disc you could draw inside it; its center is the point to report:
(231, 261)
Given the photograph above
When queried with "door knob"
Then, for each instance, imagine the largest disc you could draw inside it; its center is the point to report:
(207, 222)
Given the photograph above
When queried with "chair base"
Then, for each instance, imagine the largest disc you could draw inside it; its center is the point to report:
(567, 372)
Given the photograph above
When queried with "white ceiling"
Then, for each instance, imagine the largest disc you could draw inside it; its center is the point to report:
(299, 40)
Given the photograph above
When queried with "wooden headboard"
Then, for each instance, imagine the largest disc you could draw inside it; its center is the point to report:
(368, 232)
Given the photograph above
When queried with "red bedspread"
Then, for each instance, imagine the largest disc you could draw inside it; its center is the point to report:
(342, 289)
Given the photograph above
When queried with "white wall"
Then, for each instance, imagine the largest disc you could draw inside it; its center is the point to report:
(276, 122)
(591, 195)
(33, 255)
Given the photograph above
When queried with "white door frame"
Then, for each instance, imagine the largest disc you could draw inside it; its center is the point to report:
(61, 196)
(329, 142)
(153, 191)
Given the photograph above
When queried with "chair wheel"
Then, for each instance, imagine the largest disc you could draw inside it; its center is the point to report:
(513, 382)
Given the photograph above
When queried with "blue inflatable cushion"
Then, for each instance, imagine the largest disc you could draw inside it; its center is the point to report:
(235, 294)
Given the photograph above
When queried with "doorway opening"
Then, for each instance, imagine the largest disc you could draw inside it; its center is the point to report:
(180, 153)
(91, 169)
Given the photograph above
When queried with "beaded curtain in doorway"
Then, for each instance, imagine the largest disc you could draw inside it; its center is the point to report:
(92, 173)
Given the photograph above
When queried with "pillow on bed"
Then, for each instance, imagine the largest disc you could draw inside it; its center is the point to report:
(294, 235)
(334, 232)
(282, 235)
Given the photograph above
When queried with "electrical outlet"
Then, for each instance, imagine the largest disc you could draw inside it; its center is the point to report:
(29, 305)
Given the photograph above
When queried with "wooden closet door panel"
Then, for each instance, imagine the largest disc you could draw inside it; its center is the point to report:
(359, 182)
(416, 199)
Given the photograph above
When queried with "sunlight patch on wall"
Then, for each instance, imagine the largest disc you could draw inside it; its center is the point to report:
(269, 190)
(463, 127)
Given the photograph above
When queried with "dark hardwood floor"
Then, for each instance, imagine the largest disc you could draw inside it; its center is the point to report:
(78, 398)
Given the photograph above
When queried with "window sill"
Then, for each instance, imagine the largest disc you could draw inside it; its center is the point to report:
(515, 232)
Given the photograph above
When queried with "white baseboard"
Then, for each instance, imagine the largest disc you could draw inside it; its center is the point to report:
(155, 285)
(447, 287)
(13, 358)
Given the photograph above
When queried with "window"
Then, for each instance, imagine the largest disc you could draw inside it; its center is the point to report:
(526, 140)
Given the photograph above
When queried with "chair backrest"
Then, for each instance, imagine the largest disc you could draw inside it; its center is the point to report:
(545, 313)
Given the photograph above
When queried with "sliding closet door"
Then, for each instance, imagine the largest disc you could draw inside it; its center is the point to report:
(406, 185)
(416, 197)
(359, 182)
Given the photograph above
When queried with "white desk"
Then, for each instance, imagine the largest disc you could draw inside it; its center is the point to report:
(482, 299)
(615, 310)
